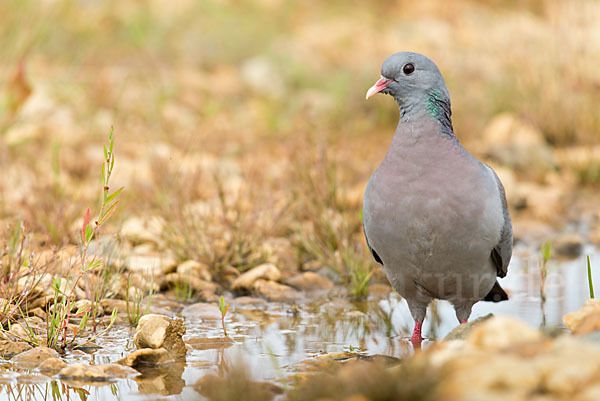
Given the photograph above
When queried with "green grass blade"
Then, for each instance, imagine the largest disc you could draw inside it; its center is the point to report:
(590, 283)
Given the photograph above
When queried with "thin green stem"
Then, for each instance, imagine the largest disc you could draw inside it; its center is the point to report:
(589, 272)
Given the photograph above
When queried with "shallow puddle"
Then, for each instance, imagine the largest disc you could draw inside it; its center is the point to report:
(276, 341)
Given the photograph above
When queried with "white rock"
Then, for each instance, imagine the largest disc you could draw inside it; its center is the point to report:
(151, 330)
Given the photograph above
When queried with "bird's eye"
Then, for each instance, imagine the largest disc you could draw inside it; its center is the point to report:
(408, 68)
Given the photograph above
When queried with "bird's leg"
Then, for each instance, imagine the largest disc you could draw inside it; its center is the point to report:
(463, 321)
(416, 338)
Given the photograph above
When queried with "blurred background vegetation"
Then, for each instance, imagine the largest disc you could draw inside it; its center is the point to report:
(241, 127)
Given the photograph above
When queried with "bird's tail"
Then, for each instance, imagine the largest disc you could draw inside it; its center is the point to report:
(496, 294)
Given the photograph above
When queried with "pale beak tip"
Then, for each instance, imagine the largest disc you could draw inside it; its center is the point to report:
(372, 90)
(378, 87)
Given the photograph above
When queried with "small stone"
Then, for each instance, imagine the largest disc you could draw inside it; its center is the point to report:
(280, 251)
(230, 271)
(146, 356)
(135, 293)
(18, 330)
(312, 265)
(191, 268)
(500, 332)
(197, 285)
(8, 349)
(573, 320)
(39, 312)
(227, 275)
(155, 265)
(108, 304)
(25, 286)
(274, 291)
(461, 331)
(569, 246)
(267, 271)
(117, 371)
(158, 331)
(51, 366)
(139, 230)
(84, 373)
(42, 302)
(86, 305)
(309, 281)
(144, 281)
(34, 357)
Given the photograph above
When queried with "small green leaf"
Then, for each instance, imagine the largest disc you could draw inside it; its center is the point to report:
(56, 285)
(109, 212)
(590, 282)
(105, 153)
(113, 195)
(89, 232)
(84, 320)
(93, 264)
(546, 250)
(82, 309)
(222, 305)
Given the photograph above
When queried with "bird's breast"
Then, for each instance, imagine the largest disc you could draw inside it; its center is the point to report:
(420, 210)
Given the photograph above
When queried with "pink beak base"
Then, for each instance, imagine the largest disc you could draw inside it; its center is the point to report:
(378, 87)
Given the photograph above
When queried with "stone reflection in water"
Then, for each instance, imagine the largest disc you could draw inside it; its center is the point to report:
(165, 379)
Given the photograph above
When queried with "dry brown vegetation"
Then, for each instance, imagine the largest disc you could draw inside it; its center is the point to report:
(253, 111)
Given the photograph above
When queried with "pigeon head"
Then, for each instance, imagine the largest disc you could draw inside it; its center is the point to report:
(415, 82)
(406, 75)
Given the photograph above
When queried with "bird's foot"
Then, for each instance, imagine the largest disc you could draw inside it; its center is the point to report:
(416, 338)
(463, 321)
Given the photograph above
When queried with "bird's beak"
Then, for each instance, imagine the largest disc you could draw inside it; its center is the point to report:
(378, 87)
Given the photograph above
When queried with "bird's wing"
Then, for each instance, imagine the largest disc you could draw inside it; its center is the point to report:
(502, 252)
(377, 258)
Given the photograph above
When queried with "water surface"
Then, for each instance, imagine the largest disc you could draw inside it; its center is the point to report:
(273, 339)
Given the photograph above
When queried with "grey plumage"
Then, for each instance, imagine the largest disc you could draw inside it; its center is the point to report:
(434, 216)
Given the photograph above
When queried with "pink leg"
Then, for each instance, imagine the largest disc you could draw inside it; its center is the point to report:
(463, 321)
(416, 338)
